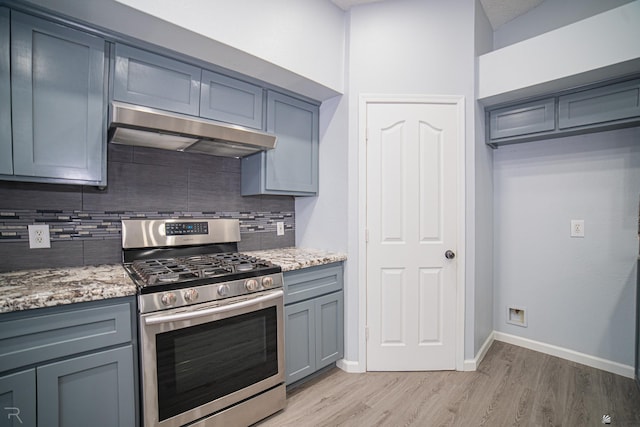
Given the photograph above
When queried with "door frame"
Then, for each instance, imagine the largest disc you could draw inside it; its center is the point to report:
(364, 101)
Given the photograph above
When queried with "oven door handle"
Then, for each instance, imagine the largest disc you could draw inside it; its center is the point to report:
(189, 315)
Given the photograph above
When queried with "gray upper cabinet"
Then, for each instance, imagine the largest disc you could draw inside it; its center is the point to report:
(230, 100)
(578, 111)
(144, 78)
(533, 117)
(6, 154)
(604, 104)
(292, 167)
(58, 103)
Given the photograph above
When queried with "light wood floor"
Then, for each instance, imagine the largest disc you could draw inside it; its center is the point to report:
(512, 387)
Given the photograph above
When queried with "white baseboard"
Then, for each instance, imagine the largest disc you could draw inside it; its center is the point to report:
(350, 366)
(472, 364)
(564, 353)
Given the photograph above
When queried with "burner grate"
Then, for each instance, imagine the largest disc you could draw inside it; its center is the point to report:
(180, 269)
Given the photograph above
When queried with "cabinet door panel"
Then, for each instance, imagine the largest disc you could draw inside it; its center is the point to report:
(144, 78)
(57, 81)
(6, 153)
(614, 102)
(329, 329)
(312, 282)
(18, 399)
(39, 338)
(300, 340)
(293, 165)
(94, 390)
(533, 117)
(229, 100)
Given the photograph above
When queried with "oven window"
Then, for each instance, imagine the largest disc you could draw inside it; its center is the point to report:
(202, 363)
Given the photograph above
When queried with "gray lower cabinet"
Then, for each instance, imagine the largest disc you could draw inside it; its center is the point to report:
(69, 366)
(17, 399)
(93, 390)
(57, 103)
(145, 78)
(6, 153)
(292, 167)
(314, 327)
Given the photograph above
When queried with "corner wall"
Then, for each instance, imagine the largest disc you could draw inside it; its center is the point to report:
(578, 292)
(405, 47)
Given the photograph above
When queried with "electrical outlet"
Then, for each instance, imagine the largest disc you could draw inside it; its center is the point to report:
(39, 236)
(280, 228)
(577, 228)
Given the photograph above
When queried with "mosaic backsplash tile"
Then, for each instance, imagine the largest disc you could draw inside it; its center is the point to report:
(81, 225)
(141, 183)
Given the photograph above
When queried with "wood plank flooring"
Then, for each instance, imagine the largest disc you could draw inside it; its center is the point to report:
(512, 387)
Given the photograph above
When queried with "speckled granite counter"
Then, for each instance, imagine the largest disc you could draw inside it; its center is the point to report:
(297, 258)
(27, 289)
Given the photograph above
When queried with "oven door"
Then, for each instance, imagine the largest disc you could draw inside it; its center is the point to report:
(200, 359)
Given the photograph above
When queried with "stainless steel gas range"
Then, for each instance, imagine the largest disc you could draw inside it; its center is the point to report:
(210, 323)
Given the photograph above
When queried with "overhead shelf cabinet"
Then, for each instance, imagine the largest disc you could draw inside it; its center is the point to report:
(585, 110)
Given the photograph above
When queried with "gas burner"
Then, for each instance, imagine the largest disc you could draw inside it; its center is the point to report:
(244, 266)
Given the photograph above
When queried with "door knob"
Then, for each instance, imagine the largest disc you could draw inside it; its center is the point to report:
(449, 255)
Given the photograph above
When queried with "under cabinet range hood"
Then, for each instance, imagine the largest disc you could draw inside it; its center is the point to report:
(148, 127)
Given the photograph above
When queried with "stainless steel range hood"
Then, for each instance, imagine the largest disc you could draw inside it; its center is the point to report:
(148, 127)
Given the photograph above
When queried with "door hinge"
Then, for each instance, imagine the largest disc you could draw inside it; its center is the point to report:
(366, 235)
(366, 333)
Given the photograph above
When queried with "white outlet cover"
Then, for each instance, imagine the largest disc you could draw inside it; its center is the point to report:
(39, 236)
(280, 228)
(577, 228)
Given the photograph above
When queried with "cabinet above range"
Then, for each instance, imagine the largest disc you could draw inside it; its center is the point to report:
(44, 137)
(291, 168)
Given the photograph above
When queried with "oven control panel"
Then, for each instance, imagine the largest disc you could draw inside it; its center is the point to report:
(186, 228)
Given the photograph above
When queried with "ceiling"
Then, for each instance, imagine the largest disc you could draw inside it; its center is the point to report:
(498, 11)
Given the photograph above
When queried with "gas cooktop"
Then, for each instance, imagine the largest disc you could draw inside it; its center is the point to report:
(197, 270)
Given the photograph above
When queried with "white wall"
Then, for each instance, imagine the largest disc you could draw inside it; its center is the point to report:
(321, 222)
(403, 47)
(600, 47)
(578, 292)
(481, 322)
(297, 45)
(549, 15)
(306, 37)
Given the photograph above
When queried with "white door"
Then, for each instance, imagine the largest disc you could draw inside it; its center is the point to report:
(412, 221)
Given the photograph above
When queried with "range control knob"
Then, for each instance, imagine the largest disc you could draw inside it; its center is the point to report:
(190, 295)
(223, 290)
(251, 285)
(168, 299)
(267, 281)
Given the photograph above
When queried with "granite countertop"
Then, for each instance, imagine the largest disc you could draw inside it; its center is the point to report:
(27, 289)
(297, 258)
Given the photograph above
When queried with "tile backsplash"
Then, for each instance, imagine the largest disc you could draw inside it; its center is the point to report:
(142, 183)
